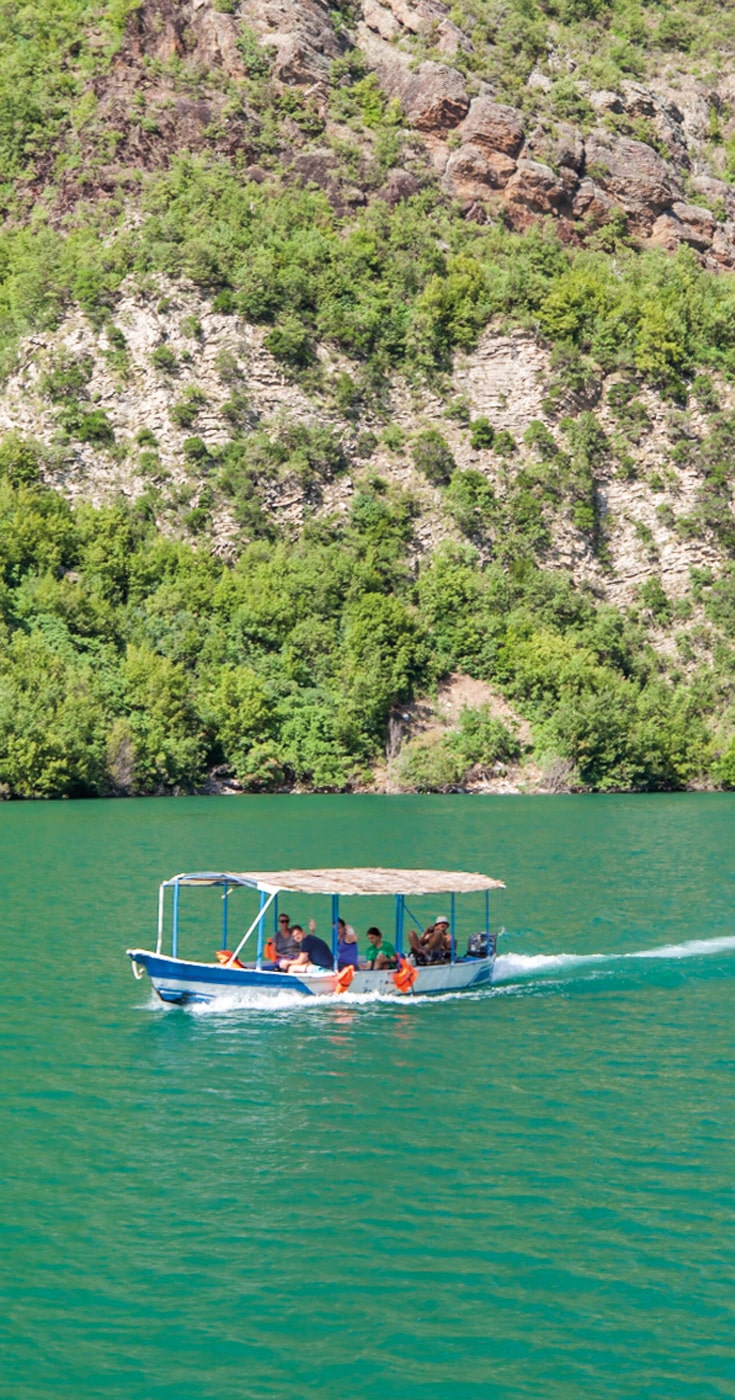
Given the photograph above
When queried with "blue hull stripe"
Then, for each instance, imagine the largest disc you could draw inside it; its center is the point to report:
(173, 970)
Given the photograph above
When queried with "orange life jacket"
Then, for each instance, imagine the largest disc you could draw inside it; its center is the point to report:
(405, 975)
(223, 956)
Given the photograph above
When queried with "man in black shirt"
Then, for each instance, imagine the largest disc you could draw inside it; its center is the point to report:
(313, 951)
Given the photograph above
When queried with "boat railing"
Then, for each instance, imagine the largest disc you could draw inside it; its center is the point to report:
(269, 893)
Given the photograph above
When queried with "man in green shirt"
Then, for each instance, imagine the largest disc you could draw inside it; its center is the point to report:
(380, 953)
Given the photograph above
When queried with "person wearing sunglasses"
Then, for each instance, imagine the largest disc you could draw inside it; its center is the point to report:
(286, 944)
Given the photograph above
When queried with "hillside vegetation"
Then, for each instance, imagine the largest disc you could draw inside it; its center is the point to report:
(348, 347)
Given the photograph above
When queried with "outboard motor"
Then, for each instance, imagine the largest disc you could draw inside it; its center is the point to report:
(480, 945)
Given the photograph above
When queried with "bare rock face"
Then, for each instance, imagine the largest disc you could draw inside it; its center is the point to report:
(667, 233)
(562, 147)
(723, 246)
(302, 35)
(167, 30)
(400, 185)
(493, 127)
(472, 172)
(603, 100)
(695, 103)
(434, 97)
(381, 19)
(592, 203)
(536, 188)
(686, 223)
(700, 223)
(160, 34)
(644, 104)
(662, 112)
(391, 18)
(632, 172)
(715, 192)
(504, 377)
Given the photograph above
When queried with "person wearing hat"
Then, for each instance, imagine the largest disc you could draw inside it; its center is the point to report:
(434, 945)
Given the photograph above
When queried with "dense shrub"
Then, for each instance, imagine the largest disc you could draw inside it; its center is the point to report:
(432, 455)
(131, 663)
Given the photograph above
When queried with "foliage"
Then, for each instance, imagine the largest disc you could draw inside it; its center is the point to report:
(130, 662)
(482, 433)
(472, 503)
(438, 762)
(429, 765)
(432, 455)
(611, 40)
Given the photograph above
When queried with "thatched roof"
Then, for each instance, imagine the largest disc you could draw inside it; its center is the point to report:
(370, 880)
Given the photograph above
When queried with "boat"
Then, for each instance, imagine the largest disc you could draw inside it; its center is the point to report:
(181, 980)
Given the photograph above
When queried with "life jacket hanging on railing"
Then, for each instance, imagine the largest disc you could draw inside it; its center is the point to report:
(269, 951)
(344, 978)
(405, 975)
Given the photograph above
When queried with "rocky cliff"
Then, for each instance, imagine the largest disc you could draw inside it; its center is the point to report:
(553, 425)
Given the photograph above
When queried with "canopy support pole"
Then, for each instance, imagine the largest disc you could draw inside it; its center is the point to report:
(487, 915)
(161, 897)
(261, 930)
(275, 915)
(335, 930)
(451, 924)
(411, 915)
(257, 920)
(399, 924)
(175, 930)
(224, 916)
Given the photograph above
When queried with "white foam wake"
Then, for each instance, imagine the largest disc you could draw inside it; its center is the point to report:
(511, 967)
(696, 948)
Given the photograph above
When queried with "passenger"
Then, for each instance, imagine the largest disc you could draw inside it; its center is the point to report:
(313, 952)
(380, 952)
(346, 945)
(286, 946)
(446, 948)
(434, 945)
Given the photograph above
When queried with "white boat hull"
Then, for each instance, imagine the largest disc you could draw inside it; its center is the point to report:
(178, 981)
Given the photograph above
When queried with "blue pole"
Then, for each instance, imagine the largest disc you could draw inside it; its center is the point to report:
(261, 921)
(275, 915)
(399, 924)
(487, 917)
(335, 929)
(175, 933)
(418, 922)
(224, 915)
(451, 923)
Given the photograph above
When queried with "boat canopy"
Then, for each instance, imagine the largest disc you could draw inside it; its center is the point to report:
(369, 880)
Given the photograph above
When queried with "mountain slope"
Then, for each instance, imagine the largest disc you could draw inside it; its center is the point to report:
(349, 347)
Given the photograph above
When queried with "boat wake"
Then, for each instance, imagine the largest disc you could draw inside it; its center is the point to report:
(511, 968)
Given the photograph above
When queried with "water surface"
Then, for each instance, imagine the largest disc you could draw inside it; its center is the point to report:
(518, 1193)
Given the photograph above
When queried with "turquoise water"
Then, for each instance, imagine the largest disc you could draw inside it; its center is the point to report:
(526, 1192)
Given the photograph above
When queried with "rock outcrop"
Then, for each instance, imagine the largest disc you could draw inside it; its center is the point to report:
(302, 37)
(644, 148)
(493, 127)
(633, 174)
